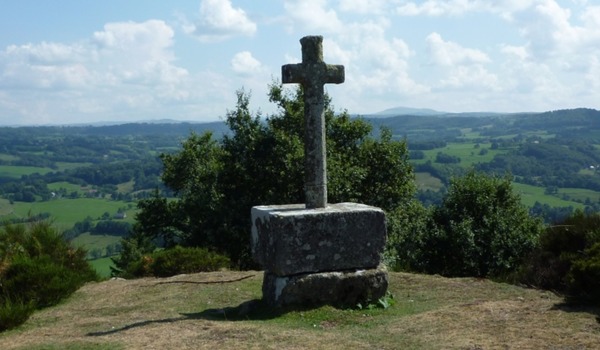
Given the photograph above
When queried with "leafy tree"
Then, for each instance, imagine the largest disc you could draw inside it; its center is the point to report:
(261, 162)
(480, 229)
(446, 158)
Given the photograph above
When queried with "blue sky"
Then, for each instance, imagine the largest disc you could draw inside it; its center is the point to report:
(73, 61)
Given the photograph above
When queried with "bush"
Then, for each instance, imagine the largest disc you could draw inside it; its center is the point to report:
(583, 279)
(14, 313)
(38, 268)
(179, 260)
(568, 259)
(174, 261)
(40, 280)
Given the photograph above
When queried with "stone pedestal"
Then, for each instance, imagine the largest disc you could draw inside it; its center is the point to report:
(326, 255)
(343, 289)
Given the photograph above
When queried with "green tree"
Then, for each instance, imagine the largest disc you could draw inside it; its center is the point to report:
(261, 162)
(481, 229)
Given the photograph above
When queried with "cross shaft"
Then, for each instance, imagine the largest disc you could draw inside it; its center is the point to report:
(312, 74)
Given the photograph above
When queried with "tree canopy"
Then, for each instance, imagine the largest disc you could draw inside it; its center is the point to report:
(260, 162)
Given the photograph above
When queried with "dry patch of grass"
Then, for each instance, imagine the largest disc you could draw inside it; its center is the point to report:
(214, 310)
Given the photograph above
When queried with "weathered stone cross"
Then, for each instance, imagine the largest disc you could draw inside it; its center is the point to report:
(313, 73)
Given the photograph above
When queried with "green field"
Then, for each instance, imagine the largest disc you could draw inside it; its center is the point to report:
(55, 186)
(66, 212)
(89, 241)
(17, 171)
(427, 182)
(8, 157)
(580, 194)
(5, 207)
(62, 166)
(126, 187)
(102, 266)
(531, 194)
(466, 151)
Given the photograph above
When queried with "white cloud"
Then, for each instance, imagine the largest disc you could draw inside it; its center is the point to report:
(219, 21)
(448, 53)
(376, 64)
(567, 44)
(364, 6)
(313, 15)
(137, 53)
(520, 52)
(124, 66)
(435, 8)
(463, 77)
(244, 63)
(459, 68)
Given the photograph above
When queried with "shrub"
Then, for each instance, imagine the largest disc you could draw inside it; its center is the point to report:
(14, 313)
(38, 268)
(174, 261)
(130, 262)
(40, 280)
(179, 260)
(568, 259)
(583, 279)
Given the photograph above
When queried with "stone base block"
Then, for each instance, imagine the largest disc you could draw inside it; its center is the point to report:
(289, 239)
(344, 289)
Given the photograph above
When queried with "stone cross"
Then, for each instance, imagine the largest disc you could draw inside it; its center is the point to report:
(312, 74)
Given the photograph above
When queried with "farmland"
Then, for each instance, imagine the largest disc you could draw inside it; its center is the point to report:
(79, 177)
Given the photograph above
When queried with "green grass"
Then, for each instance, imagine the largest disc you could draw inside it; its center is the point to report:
(589, 172)
(89, 241)
(580, 194)
(81, 345)
(5, 207)
(530, 194)
(66, 212)
(102, 266)
(207, 311)
(55, 186)
(17, 171)
(469, 154)
(466, 151)
(67, 166)
(126, 187)
(469, 134)
(427, 182)
(8, 157)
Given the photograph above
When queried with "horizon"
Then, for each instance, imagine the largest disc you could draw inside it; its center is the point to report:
(388, 113)
(69, 62)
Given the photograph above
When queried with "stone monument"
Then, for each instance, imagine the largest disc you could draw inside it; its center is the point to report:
(318, 253)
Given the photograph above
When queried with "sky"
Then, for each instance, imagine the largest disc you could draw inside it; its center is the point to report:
(74, 61)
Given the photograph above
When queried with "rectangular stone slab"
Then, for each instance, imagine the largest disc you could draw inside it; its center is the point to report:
(289, 239)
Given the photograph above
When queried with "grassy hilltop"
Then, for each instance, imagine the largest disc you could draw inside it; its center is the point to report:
(201, 311)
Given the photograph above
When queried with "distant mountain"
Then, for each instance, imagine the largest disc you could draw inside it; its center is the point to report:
(407, 111)
(427, 112)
